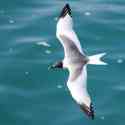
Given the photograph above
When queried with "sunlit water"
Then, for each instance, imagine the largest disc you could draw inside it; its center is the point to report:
(30, 94)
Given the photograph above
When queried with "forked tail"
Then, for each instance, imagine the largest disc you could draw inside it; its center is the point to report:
(96, 59)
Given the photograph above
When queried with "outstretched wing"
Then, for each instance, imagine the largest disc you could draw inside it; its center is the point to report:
(77, 84)
(71, 50)
(65, 28)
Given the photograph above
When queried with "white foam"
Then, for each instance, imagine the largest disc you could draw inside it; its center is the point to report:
(11, 21)
(27, 73)
(43, 43)
(120, 61)
(59, 86)
(87, 13)
(102, 117)
(47, 51)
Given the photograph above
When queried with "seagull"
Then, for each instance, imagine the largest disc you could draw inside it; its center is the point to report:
(76, 61)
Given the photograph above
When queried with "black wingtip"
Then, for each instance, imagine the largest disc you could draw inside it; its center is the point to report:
(66, 10)
(89, 111)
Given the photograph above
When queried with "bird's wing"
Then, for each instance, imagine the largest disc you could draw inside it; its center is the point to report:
(77, 84)
(71, 50)
(65, 28)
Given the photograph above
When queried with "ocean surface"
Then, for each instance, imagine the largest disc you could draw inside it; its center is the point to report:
(30, 94)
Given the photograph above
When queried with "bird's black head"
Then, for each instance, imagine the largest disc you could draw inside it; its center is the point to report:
(57, 65)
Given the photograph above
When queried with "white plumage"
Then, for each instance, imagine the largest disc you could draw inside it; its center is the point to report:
(75, 61)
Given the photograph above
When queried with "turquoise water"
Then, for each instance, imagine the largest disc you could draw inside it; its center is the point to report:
(32, 95)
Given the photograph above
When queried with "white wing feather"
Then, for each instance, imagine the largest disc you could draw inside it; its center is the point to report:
(65, 27)
(78, 88)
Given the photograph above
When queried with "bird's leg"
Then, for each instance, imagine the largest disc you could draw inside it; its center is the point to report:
(58, 64)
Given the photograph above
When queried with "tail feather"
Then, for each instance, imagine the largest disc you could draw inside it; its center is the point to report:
(96, 59)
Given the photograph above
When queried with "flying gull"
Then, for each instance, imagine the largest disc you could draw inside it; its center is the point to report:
(76, 61)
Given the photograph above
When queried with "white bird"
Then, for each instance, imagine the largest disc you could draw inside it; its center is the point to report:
(75, 61)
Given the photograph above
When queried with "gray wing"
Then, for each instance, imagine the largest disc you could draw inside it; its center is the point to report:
(71, 50)
(65, 28)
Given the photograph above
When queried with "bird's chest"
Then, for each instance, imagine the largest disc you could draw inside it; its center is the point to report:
(72, 62)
